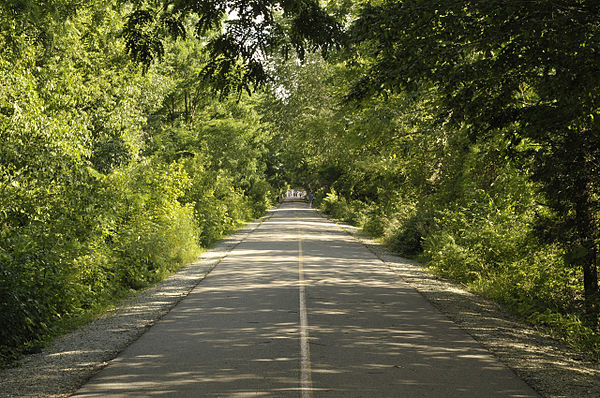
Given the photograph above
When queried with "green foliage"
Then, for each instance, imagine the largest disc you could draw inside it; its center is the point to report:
(505, 71)
(218, 206)
(43, 186)
(467, 202)
(150, 232)
(470, 243)
(406, 237)
(335, 205)
(110, 179)
(570, 328)
(246, 32)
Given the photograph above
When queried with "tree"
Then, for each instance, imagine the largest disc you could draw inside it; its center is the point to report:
(110, 178)
(528, 71)
(252, 30)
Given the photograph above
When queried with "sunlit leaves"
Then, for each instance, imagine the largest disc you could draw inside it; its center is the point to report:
(109, 177)
(240, 35)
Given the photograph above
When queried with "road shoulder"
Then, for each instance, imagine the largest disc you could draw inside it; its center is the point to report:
(72, 359)
(544, 363)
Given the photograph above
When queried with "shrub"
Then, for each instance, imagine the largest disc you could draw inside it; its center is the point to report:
(336, 205)
(150, 232)
(375, 223)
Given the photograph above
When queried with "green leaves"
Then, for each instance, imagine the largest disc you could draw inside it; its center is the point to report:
(141, 37)
(145, 30)
(498, 67)
(238, 42)
(110, 179)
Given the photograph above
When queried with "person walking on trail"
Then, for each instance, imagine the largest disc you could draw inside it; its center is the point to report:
(310, 198)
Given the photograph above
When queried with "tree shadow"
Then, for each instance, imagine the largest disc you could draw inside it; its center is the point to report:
(370, 335)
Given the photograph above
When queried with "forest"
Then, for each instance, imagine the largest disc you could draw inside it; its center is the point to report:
(136, 133)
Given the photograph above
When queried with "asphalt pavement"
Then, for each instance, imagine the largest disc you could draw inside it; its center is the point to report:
(301, 309)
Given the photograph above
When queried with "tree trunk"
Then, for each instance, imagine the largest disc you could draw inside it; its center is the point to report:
(187, 109)
(590, 286)
(588, 233)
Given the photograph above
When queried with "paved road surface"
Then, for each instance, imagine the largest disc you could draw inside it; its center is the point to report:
(301, 309)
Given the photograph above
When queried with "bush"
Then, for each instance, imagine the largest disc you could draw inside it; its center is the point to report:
(260, 197)
(219, 207)
(476, 238)
(406, 239)
(376, 222)
(336, 206)
(149, 232)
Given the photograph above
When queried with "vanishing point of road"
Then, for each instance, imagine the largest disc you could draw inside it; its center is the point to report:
(302, 309)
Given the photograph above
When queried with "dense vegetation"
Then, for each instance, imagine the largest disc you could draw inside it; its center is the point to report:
(111, 175)
(464, 133)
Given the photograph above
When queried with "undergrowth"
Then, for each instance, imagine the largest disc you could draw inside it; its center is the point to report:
(492, 251)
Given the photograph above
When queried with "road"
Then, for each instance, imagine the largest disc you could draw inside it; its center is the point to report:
(301, 309)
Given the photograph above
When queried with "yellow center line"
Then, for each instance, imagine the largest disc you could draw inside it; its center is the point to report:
(305, 371)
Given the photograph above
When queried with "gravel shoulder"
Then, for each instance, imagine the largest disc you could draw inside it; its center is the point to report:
(547, 365)
(544, 363)
(71, 360)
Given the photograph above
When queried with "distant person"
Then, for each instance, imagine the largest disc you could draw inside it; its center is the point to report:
(310, 198)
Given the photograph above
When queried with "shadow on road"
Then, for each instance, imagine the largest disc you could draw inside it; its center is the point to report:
(237, 333)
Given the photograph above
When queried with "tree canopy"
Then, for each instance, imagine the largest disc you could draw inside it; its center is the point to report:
(526, 70)
(244, 34)
(135, 133)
